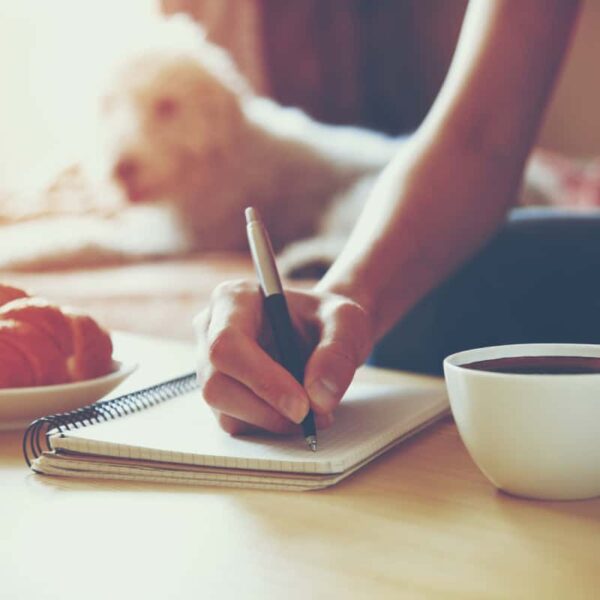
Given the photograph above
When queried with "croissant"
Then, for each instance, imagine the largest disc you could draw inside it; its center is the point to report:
(43, 344)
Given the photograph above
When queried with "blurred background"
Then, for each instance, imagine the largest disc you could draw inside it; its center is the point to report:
(379, 64)
(53, 54)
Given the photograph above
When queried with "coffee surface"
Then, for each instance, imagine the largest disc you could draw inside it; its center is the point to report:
(539, 365)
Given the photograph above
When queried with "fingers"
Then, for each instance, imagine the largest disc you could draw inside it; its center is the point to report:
(230, 398)
(345, 343)
(228, 345)
(239, 410)
(247, 388)
(235, 426)
(234, 354)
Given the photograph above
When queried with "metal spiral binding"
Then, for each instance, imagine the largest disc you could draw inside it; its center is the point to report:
(35, 440)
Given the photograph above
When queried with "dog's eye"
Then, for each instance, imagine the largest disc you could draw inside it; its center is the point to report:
(166, 108)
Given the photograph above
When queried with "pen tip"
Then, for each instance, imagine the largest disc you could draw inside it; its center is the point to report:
(311, 440)
(251, 214)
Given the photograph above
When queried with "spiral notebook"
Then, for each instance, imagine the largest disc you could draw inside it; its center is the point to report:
(161, 431)
(166, 433)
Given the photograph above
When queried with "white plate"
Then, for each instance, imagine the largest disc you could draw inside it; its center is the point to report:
(20, 406)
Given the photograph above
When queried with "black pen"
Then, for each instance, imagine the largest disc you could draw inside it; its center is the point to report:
(277, 311)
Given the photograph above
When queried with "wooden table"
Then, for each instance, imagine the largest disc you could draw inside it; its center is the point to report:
(420, 522)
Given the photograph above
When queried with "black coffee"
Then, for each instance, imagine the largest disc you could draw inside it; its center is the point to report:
(539, 365)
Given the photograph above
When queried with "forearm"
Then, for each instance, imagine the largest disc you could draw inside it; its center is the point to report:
(450, 187)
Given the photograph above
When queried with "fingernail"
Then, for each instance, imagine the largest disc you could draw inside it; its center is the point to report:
(324, 394)
(294, 408)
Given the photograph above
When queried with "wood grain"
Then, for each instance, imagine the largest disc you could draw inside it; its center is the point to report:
(420, 522)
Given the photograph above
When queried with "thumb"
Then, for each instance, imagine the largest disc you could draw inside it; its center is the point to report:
(344, 345)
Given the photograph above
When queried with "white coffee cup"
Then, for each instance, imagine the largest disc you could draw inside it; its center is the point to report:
(533, 435)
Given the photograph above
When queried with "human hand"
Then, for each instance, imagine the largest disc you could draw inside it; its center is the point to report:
(246, 388)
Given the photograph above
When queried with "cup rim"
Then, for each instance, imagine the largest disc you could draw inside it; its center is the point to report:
(459, 359)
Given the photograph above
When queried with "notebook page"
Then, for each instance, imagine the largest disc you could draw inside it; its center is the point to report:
(184, 430)
(63, 468)
(104, 467)
(70, 465)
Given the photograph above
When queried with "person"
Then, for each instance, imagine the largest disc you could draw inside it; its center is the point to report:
(433, 261)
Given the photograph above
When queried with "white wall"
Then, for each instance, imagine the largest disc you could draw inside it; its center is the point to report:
(52, 53)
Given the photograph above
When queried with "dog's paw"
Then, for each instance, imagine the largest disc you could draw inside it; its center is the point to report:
(308, 259)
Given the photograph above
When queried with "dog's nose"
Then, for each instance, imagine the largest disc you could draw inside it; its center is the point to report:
(126, 170)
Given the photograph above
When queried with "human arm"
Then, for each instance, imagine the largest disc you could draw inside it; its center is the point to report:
(449, 189)
(433, 207)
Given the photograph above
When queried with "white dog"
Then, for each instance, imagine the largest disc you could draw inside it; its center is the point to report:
(181, 127)
(188, 146)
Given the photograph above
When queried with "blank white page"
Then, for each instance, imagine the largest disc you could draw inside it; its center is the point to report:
(184, 430)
